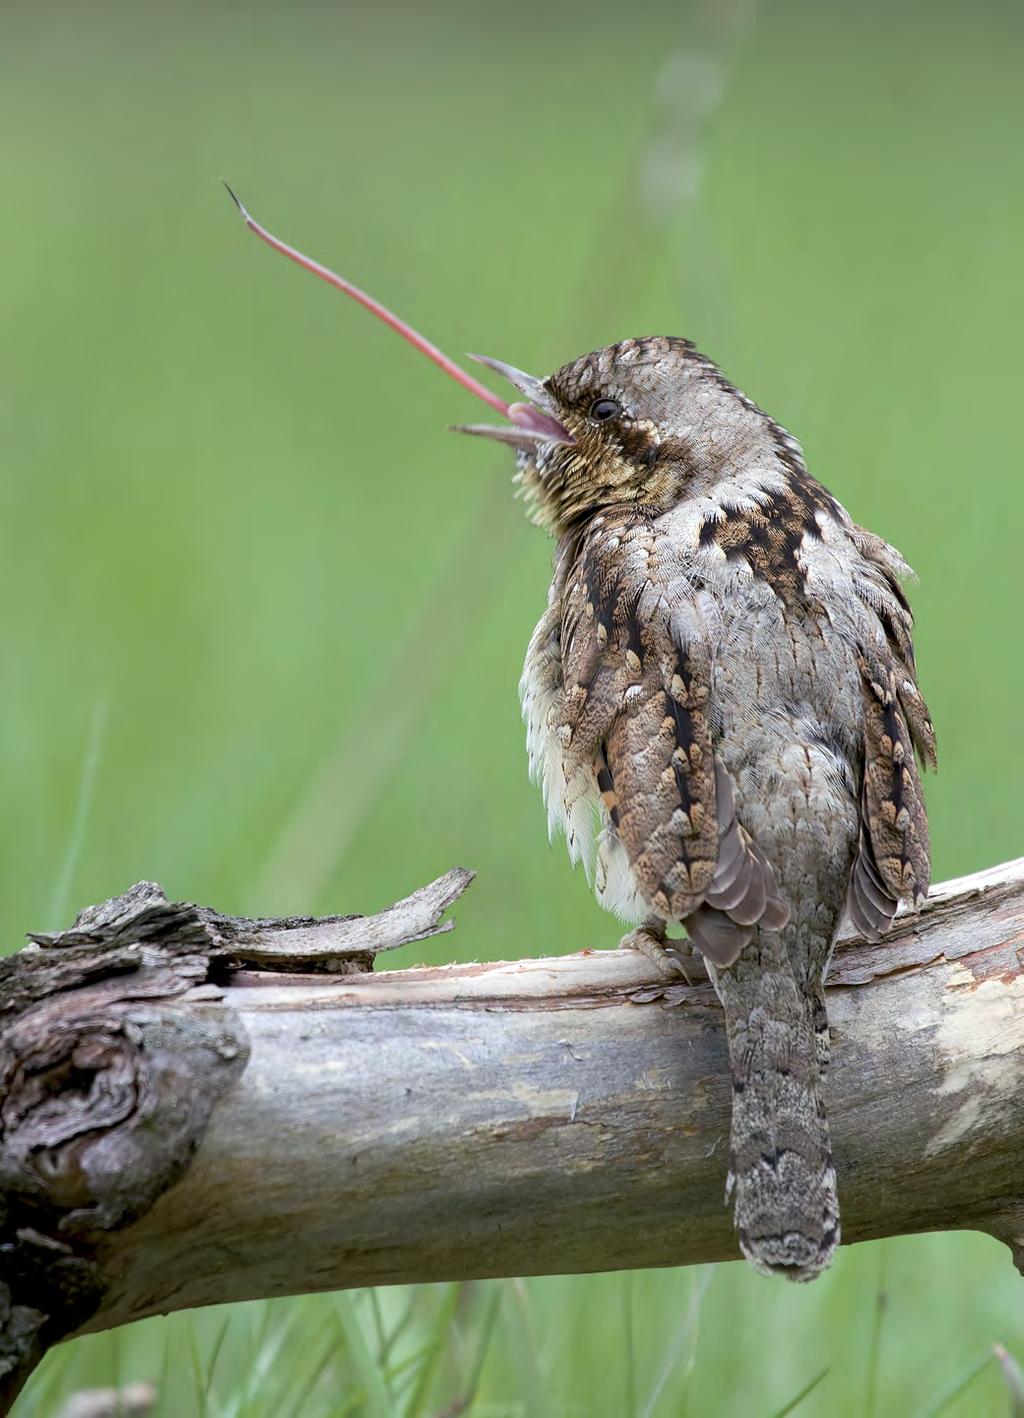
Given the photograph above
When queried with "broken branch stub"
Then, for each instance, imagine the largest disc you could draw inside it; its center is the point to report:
(106, 1088)
(117, 1042)
(335, 944)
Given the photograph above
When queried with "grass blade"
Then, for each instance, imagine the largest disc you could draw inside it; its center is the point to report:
(1014, 1379)
(675, 1348)
(956, 1388)
(629, 1376)
(321, 1353)
(83, 802)
(378, 1400)
(400, 1326)
(463, 1401)
(875, 1341)
(218, 1344)
(418, 1403)
(798, 1398)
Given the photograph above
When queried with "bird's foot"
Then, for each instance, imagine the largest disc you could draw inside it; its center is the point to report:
(649, 940)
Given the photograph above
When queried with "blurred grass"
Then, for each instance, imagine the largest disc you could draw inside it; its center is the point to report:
(263, 617)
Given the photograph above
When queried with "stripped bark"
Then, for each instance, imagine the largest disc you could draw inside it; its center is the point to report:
(179, 1128)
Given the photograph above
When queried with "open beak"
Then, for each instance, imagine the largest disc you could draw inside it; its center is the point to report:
(531, 423)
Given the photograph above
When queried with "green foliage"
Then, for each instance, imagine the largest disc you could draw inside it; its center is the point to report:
(702, 1341)
(263, 616)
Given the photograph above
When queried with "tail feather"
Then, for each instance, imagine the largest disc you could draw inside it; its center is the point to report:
(782, 1179)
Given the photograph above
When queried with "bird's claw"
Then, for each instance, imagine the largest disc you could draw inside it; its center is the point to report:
(658, 951)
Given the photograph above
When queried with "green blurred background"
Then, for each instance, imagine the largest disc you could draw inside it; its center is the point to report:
(263, 617)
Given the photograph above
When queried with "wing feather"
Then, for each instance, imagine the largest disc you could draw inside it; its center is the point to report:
(637, 712)
(893, 858)
(894, 811)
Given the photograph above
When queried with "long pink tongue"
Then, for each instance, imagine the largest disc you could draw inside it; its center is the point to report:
(530, 417)
(389, 317)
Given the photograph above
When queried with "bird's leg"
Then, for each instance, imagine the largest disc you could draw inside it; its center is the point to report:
(649, 939)
(819, 1023)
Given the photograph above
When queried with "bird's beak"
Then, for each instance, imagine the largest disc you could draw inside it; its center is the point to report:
(532, 422)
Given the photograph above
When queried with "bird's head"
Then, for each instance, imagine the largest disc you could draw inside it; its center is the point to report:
(637, 423)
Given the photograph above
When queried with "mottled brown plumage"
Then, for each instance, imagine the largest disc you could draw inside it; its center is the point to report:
(722, 708)
(636, 704)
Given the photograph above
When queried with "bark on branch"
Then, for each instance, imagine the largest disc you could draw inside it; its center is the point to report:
(182, 1124)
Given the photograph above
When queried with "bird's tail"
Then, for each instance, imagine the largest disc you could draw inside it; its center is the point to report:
(781, 1179)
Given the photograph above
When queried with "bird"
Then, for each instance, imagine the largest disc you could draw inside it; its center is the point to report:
(723, 713)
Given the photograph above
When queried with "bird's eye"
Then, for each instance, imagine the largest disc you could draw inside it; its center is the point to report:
(604, 409)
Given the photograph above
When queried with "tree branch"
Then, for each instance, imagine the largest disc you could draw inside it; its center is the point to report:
(178, 1128)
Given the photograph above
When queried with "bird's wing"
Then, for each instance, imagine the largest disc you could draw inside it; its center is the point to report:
(636, 667)
(893, 860)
